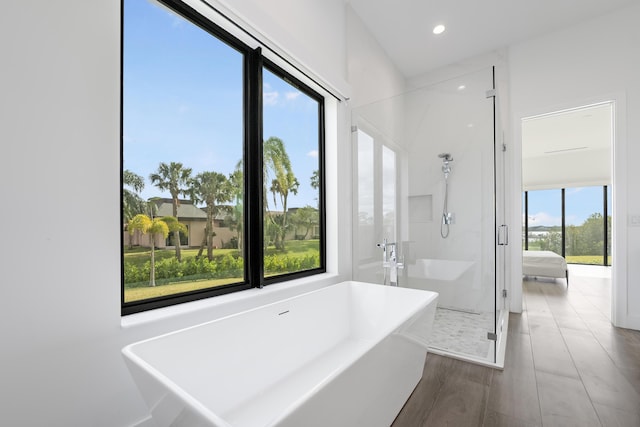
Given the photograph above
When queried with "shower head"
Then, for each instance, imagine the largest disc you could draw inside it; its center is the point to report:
(446, 157)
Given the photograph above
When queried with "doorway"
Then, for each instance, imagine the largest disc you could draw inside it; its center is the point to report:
(567, 180)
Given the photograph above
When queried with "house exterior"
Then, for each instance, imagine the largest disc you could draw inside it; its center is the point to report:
(193, 217)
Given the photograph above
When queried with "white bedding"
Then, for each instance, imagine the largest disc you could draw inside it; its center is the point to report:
(544, 263)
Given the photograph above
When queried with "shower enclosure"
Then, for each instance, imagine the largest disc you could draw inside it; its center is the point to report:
(427, 177)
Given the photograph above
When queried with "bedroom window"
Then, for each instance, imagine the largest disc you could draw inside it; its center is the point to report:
(199, 219)
(572, 222)
(544, 221)
(585, 225)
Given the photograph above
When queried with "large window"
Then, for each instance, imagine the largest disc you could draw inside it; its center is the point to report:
(584, 225)
(544, 221)
(572, 222)
(222, 183)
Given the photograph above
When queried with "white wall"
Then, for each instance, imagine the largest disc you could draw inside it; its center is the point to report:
(372, 75)
(61, 333)
(311, 32)
(373, 78)
(597, 60)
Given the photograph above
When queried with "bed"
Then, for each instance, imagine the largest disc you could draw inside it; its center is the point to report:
(544, 264)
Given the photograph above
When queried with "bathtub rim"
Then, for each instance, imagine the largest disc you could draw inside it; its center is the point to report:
(279, 301)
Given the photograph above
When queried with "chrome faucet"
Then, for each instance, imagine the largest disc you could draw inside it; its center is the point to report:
(383, 245)
(390, 262)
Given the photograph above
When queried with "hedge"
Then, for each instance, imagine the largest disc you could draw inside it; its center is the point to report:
(170, 270)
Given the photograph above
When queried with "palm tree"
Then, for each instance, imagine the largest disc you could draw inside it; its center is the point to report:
(174, 225)
(176, 179)
(145, 224)
(132, 203)
(315, 179)
(236, 217)
(278, 166)
(212, 188)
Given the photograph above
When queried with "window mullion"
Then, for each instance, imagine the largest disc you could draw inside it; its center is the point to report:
(564, 221)
(605, 210)
(254, 247)
(526, 220)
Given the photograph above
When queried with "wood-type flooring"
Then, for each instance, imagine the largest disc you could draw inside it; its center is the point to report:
(565, 365)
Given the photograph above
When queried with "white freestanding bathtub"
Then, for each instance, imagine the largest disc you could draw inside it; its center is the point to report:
(349, 355)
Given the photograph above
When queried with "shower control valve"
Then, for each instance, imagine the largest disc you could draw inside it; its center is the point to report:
(448, 218)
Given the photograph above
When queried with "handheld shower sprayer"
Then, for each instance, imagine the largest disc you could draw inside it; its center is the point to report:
(447, 217)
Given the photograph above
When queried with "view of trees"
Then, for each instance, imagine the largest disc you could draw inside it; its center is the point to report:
(219, 196)
(583, 211)
(586, 240)
(176, 179)
(213, 189)
(283, 182)
(307, 218)
(188, 98)
(146, 225)
(132, 203)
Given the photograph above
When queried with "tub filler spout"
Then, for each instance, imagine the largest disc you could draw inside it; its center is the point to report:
(391, 262)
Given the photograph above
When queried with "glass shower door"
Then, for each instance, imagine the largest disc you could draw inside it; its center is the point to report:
(425, 179)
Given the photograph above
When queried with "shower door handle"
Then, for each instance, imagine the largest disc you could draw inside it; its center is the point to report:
(503, 235)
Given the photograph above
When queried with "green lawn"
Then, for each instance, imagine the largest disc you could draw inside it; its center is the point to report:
(296, 247)
(139, 256)
(135, 294)
(586, 259)
(578, 259)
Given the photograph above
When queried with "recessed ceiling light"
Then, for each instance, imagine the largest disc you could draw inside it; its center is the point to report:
(461, 87)
(438, 29)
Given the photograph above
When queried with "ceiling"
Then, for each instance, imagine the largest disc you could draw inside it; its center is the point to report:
(581, 129)
(404, 27)
(568, 149)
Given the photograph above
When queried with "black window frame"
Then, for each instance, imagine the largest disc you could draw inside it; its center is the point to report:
(253, 64)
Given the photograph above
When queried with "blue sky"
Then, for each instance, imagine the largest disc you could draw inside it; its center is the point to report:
(182, 102)
(545, 206)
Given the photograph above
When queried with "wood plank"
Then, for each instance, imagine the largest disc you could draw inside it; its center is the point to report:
(460, 403)
(496, 419)
(614, 417)
(419, 404)
(514, 394)
(550, 354)
(601, 377)
(564, 401)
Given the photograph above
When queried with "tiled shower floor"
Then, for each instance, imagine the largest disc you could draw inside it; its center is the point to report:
(463, 333)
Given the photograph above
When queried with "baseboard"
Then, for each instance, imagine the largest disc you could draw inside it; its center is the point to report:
(632, 322)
